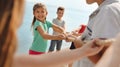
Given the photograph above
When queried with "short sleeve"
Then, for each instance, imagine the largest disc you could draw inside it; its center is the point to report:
(53, 21)
(49, 24)
(63, 22)
(36, 24)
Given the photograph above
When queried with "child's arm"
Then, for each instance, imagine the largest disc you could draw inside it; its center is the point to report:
(45, 35)
(76, 31)
(111, 57)
(63, 57)
(57, 28)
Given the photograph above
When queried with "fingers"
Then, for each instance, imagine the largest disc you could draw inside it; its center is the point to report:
(106, 42)
(91, 48)
(62, 36)
(70, 38)
(67, 36)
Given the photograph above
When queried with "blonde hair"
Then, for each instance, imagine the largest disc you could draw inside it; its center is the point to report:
(10, 15)
(36, 6)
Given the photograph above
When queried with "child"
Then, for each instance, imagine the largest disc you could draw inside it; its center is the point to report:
(8, 43)
(58, 21)
(104, 23)
(40, 29)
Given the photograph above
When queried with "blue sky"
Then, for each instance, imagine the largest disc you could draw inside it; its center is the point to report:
(76, 4)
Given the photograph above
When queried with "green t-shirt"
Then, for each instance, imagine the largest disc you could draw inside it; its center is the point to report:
(39, 43)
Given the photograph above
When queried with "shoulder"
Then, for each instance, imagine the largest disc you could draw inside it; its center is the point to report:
(37, 22)
(48, 23)
(63, 21)
(54, 19)
(111, 8)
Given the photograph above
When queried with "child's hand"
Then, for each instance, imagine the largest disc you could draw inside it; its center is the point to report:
(91, 48)
(62, 36)
(75, 33)
(70, 38)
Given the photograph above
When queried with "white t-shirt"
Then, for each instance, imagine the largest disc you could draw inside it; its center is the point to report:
(60, 23)
(103, 23)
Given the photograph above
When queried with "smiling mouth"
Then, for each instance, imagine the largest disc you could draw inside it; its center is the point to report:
(40, 17)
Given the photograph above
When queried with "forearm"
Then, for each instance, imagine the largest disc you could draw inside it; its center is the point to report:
(106, 44)
(65, 57)
(111, 55)
(46, 35)
(49, 60)
(78, 42)
(51, 37)
(58, 29)
(106, 59)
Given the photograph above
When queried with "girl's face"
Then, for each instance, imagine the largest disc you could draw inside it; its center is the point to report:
(40, 14)
(60, 13)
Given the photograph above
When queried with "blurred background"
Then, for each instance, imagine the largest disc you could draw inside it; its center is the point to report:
(76, 12)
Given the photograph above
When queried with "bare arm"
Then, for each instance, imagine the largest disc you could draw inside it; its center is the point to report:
(76, 31)
(45, 35)
(47, 60)
(55, 59)
(57, 28)
(111, 57)
(76, 40)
